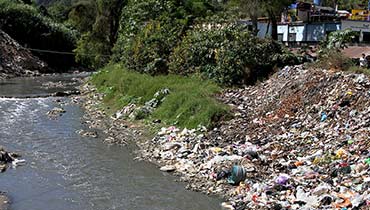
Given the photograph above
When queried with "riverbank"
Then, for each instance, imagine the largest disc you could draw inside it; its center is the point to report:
(299, 139)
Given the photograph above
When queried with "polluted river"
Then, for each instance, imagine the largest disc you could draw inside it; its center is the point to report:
(64, 170)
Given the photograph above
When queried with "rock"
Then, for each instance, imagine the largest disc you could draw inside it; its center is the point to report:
(168, 168)
(3, 167)
(91, 134)
(7, 158)
(66, 93)
(56, 112)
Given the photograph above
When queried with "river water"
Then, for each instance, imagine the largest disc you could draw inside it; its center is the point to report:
(65, 171)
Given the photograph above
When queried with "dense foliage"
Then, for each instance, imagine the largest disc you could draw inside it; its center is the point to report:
(150, 29)
(339, 39)
(227, 54)
(95, 46)
(150, 36)
(25, 24)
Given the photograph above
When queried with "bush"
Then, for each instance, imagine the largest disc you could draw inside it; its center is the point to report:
(92, 50)
(26, 25)
(134, 17)
(190, 102)
(226, 53)
(333, 59)
(150, 29)
(150, 49)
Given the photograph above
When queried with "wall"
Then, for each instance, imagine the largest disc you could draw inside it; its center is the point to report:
(356, 25)
(299, 31)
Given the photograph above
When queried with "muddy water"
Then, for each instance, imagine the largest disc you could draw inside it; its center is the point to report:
(67, 171)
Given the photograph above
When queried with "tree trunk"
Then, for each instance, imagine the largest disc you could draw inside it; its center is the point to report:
(254, 25)
(115, 19)
(274, 32)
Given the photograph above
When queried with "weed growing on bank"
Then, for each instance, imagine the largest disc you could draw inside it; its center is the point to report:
(190, 103)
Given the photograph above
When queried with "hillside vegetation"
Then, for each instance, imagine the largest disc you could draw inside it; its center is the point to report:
(178, 44)
(30, 28)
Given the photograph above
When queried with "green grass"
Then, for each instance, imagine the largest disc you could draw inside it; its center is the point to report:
(190, 103)
(359, 70)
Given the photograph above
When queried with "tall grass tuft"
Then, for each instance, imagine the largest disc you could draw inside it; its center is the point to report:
(191, 101)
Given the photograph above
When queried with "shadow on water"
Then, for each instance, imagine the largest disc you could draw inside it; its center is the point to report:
(67, 171)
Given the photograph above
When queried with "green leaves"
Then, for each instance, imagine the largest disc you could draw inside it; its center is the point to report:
(227, 54)
(340, 39)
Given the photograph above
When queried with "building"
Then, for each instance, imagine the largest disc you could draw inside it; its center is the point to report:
(311, 23)
(363, 27)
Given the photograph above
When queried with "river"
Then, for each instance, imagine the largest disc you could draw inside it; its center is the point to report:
(65, 171)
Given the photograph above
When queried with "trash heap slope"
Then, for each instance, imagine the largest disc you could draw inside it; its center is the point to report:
(309, 126)
(299, 140)
(16, 61)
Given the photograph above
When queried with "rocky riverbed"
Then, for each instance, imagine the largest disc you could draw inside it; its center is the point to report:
(118, 131)
(299, 140)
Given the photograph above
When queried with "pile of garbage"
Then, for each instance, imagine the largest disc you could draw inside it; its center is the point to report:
(16, 61)
(299, 140)
(134, 112)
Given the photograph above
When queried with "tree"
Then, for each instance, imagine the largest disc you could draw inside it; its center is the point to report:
(252, 9)
(274, 8)
(96, 44)
(82, 15)
(255, 8)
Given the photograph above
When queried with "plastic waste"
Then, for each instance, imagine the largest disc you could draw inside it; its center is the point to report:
(223, 174)
(367, 161)
(323, 116)
(17, 162)
(282, 179)
(321, 189)
(310, 201)
(238, 174)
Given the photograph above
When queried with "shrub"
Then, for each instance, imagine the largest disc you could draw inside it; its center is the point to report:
(134, 17)
(150, 49)
(26, 25)
(226, 53)
(92, 50)
(339, 39)
(333, 59)
(150, 29)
